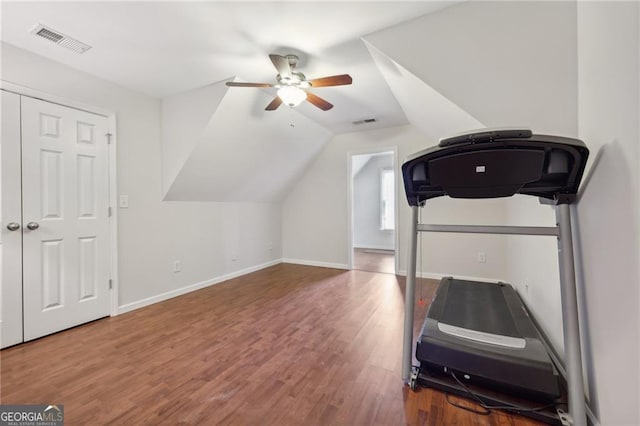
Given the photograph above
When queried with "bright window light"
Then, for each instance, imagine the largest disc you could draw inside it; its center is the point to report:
(387, 200)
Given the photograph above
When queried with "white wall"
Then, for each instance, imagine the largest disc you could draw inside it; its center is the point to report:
(607, 213)
(315, 220)
(532, 266)
(366, 205)
(151, 233)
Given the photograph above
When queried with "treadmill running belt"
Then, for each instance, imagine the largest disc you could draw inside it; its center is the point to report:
(479, 306)
(509, 357)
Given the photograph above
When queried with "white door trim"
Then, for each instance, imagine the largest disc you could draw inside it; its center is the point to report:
(37, 94)
(396, 171)
(11, 331)
(113, 188)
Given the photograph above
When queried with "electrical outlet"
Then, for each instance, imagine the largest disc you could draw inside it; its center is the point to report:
(177, 266)
(482, 257)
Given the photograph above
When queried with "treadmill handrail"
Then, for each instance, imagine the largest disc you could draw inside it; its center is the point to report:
(552, 231)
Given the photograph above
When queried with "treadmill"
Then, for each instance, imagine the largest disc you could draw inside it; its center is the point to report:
(480, 335)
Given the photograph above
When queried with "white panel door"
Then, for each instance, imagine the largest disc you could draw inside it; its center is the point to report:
(10, 221)
(65, 217)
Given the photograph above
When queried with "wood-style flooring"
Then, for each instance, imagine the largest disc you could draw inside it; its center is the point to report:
(287, 345)
(374, 260)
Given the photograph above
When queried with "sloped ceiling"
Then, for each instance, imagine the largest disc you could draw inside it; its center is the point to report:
(218, 144)
(358, 162)
(163, 48)
(427, 109)
(504, 63)
(233, 150)
(185, 118)
(451, 83)
(470, 65)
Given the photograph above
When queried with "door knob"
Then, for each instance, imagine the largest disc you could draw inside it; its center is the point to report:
(33, 226)
(13, 226)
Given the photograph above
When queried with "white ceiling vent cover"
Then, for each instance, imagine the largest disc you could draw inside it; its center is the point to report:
(59, 38)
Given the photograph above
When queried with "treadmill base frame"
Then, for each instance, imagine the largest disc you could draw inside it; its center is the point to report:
(420, 377)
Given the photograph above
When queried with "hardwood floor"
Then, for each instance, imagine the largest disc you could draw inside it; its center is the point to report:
(374, 260)
(288, 345)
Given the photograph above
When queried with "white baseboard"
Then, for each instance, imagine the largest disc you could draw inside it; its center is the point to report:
(193, 287)
(436, 276)
(373, 247)
(315, 263)
(250, 269)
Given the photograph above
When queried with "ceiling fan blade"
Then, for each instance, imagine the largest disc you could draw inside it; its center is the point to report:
(236, 84)
(282, 65)
(275, 103)
(319, 102)
(334, 80)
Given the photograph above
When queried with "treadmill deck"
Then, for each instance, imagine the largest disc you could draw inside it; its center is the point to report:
(483, 333)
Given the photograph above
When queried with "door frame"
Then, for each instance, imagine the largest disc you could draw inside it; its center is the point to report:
(112, 169)
(396, 169)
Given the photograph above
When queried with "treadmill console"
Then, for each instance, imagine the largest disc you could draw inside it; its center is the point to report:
(485, 135)
(497, 163)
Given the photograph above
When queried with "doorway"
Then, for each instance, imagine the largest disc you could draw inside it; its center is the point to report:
(373, 211)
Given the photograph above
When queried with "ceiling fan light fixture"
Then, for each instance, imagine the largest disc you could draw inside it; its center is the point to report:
(292, 95)
(291, 85)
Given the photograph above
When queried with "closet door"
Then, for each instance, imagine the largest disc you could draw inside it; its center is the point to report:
(10, 221)
(65, 217)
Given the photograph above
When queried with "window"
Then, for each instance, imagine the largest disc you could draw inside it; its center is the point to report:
(387, 200)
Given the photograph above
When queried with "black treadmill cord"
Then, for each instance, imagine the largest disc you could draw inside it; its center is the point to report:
(486, 411)
(497, 407)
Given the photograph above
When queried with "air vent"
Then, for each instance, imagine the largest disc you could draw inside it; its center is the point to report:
(365, 121)
(59, 38)
(50, 35)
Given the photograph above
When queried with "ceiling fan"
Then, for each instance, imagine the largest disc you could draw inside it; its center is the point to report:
(292, 85)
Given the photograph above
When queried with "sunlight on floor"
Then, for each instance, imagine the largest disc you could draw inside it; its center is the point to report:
(374, 260)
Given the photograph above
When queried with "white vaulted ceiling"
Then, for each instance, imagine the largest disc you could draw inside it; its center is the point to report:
(208, 155)
(218, 143)
(442, 69)
(166, 48)
(503, 63)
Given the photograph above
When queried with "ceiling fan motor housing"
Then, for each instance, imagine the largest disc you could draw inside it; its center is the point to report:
(293, 60)
(296, 79)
